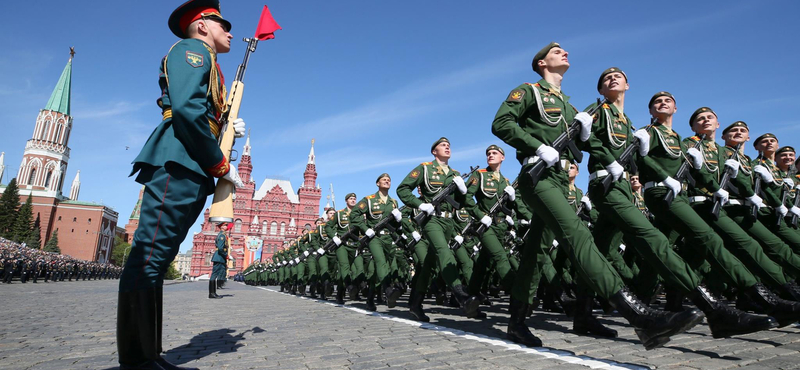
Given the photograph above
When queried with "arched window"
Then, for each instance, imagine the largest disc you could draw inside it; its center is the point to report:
(273, 228)
(43, 135)
(264, 228)
(283, 228)
(59, 218)
(74, 219)
(47, 179)
(237, 226)
(90, 221)
(58, 133)
(32, 177)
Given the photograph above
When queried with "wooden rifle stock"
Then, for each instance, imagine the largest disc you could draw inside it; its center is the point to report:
(222, 206)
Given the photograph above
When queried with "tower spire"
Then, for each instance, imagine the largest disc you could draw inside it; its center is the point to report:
(246, 150)
(76, 187)
(311, 157)
(60, 98)
(2, 165)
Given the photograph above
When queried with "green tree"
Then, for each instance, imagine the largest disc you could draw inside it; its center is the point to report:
(119, 251)
(52, 244)
(22, 225)
(172, 272)
(35, 239)
(9, 202)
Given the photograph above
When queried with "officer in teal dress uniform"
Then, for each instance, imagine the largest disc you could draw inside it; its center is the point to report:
(177, 167)
(219, 260)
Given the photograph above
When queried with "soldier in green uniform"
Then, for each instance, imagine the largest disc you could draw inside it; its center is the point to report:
(177, 166)
(220, 259)
(704, 122)
(337, 226)
(365, 215)
(485, 188)
(316, 241)
(430, 178)
(530, 119)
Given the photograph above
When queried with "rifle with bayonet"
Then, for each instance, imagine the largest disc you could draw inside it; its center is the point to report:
(723, 183)
(625, 160)
(563, 142)
(442, 196)
(683, 173)
(383, 223)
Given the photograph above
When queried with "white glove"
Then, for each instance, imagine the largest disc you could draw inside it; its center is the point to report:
(297, 260)
(510, 220)
(756, 201)
(555, 243)
(513, 233)
(404, 236)
(764, 172)
(416, 236)
(586, 125)
(783, 210)
(622, 247)
(397, 215)
(291, 263)
(524, 222)
(337, 241)
(788, 181)
(233, 177)
(460, 184)
(733, 165)
(512, 194)
(586, 203)
(283, 263)
(673, 184)
(370, 233)
(238, 128)
(547, 154)
(722, 195)
(321, 251)
(797, 187)
(486, 220)
(306, 253)
(696, 157)
(427, 208)
(795, 210)
(644, 141)
(459, 239)
(615, 169)
(475, 248)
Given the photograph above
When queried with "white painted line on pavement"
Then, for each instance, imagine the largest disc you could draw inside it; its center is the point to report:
(555, 354)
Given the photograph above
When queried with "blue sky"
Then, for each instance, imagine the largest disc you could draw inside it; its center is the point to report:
(377, 82)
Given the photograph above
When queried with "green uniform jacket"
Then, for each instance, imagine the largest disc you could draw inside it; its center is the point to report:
(486, 187)
(430, 178)
(612, 132)
(370, 210)
(713, 158)
(667, 153)
(743, 183)
(221, 255)
(771, 191)
(186, 138)
(339, 224)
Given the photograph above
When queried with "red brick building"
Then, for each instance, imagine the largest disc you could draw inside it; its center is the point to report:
(85, 230)
(264, 217)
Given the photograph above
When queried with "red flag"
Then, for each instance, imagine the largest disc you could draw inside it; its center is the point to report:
(266, 26)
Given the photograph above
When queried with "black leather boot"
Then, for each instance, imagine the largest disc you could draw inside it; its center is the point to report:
(725, 321)
(129, 348)
(415, 306)
(322, 288)
(467, 302)
(584, 322)
(212, 290)
(517, 331)
(312, 290)
(352, 292)
(786, 312)
(392, 294)
(674, 300)
(371, 299)
(340, 294)
(166, 365)
(791, 291)
(301, 289)
(653, 327)
(328, 288)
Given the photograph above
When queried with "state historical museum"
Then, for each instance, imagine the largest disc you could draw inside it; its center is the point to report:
(263, 218)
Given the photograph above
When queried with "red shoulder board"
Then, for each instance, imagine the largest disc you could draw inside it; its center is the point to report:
(605, 106)
(482, 170)
(370, 196)
(695, 138)
(426, 163)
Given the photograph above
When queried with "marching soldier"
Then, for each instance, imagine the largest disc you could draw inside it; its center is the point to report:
(530, 119)
(177, 166)
(430, 178)
(337, 226)
(220, 259)
(365, 215)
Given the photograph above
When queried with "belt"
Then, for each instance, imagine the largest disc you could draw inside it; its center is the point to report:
(602, 173)
(651, 184)
(535, 158)
(444, 214)
(697, 199)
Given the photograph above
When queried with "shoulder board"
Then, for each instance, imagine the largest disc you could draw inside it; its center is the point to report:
(693, 138)
(507, 180)
(482, 170)
(342, 210)
(530, 84)
(605, 106)
(426, 163)
(370, 196)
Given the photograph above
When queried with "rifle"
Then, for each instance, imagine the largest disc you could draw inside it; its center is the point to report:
(625, 159)
(682, 173)
(444, 195)
(382, 224)
(222, 206)
(796, 204)
(561, 143)
(723, 183)
(756, 189)
(498, 206)
(778, 216)
(454, 244)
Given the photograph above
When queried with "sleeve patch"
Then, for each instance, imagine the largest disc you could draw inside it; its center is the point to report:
(361, 205)
(516, 95)
(194, 59)
(414, 174)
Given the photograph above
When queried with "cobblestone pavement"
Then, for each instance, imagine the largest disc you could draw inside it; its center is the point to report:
(71, 325)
